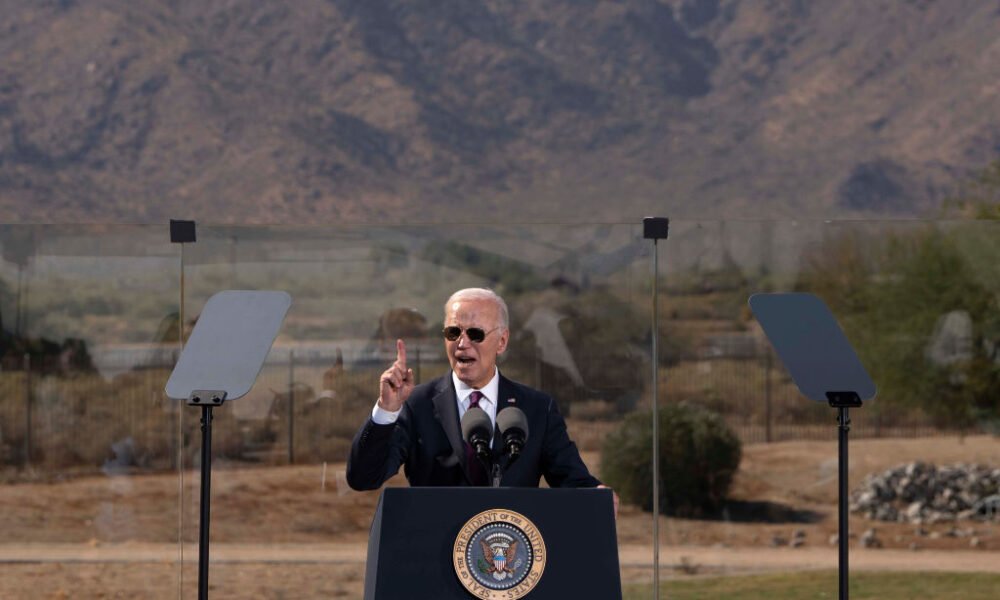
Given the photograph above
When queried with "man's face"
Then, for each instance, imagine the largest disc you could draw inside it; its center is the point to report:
(474, 363)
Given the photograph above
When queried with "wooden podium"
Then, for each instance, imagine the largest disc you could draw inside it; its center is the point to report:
(492, 543)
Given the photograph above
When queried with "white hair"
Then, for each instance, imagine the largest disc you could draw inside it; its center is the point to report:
(482, 294)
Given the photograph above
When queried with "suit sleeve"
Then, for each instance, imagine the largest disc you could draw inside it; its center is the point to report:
(561, 462)
(377, 452)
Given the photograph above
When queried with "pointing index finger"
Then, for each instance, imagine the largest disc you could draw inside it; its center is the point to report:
(401, 354)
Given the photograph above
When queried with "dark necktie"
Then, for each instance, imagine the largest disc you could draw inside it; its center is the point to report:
(477, 472)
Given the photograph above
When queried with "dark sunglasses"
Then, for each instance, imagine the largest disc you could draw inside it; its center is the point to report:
(475, 334)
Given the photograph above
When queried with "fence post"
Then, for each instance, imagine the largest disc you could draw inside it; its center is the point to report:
(291, 407)
(767, 396)
(27, 409)
(417, 370)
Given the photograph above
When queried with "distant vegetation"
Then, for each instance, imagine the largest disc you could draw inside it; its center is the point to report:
(902, 294)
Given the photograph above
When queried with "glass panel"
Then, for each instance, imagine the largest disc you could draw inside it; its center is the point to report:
(918, 302)
(87, 439)
(579, 330)
(90, 448)
(580, 300)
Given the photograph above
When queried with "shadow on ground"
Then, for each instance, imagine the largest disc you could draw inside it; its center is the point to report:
(752, 511)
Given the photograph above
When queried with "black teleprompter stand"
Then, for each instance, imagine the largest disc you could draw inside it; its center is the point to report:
(825, 368)
(221, 361)
(843, 402)
(207, 400)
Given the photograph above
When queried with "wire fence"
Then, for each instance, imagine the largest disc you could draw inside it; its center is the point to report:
(306, 409)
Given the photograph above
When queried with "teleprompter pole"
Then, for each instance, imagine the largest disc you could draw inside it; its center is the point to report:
(206, 498)
(844, 426)
(207, 400)
(843, 402)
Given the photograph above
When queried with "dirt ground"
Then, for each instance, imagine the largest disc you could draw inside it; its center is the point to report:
(295, 532)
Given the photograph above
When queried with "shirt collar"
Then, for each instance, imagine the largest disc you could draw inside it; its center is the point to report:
(490, 391)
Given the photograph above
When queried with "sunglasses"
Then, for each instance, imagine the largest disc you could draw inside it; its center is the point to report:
(475, 334)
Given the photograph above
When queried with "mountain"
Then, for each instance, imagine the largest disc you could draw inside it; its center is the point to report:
(392, 111)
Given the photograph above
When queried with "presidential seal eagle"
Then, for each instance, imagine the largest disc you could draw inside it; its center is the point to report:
(500, 557)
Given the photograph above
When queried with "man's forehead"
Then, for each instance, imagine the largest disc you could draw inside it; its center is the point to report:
(471, 308)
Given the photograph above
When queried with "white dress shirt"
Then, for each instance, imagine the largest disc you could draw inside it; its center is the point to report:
(490, 392)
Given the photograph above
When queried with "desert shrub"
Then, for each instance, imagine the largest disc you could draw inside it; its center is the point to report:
(699, 455)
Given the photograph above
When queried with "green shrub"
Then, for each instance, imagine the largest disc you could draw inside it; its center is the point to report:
(699, 455)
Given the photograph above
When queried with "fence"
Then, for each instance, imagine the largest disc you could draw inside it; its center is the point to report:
(307, 408)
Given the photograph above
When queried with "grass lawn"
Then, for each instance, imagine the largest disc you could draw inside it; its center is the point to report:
(823, 584)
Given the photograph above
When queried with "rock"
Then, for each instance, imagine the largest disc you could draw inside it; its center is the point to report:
(869, 539)
(987, 508)
(885, 512)
(975, 542)
(919, 492)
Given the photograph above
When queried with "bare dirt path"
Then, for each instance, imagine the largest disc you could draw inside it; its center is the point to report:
(630, 556)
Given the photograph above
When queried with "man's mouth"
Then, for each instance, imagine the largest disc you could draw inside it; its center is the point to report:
(465, 360)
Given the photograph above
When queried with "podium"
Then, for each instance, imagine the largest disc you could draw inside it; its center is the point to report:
(539, 543)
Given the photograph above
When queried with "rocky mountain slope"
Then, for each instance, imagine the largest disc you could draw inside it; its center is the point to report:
(348, 111)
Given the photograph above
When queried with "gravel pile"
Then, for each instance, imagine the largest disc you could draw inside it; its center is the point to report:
(923, 493)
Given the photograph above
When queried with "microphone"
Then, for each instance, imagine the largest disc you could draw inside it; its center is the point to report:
(476, 430)
(513, 425)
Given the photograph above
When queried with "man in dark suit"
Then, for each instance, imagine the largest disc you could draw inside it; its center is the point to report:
(419, 427)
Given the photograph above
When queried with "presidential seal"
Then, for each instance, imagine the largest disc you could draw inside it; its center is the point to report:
(499, 555)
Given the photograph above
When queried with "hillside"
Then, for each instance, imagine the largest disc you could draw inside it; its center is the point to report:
(341, 111)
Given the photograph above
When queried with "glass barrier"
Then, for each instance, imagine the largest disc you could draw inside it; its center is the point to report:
(88, 454)
(355, 291)
(101, 471)
(918, 302)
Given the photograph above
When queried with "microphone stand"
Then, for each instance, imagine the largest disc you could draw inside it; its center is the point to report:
(512, 449)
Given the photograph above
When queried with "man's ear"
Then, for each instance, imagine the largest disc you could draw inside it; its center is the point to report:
(502, 343)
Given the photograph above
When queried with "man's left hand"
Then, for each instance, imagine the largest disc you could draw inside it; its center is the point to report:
(614, 495)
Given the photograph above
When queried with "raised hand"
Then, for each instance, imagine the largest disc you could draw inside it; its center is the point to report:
(396, 382)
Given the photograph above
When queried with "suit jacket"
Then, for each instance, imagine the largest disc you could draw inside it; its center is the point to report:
(426, 440)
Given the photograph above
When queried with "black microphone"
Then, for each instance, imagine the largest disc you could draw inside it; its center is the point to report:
(476, 430)
(513, 425)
